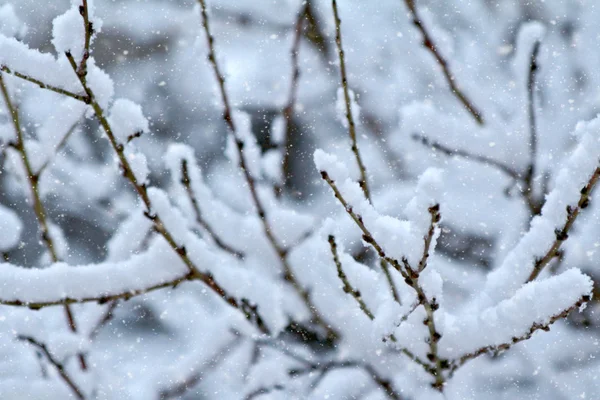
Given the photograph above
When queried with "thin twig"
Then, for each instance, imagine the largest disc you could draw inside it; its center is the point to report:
(508, 170)
(33, 179)
(390, 280)
(534, 205)
(89, 32)
(562, 234)
(348, 101)
(43, 85)
(443, 63)
(260, 210)
(263, 390)
(183, 386)
(56, 364)
(186, 182)
(288, 110)
(105, 319)
(59, 146)
(347, 286)
(505, 346)
(434, 211)
(383, 383)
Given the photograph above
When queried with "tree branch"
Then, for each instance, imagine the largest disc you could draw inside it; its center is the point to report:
(251, 313)
(429, 44)
(562, 234)
(347, 286)
(56, 364)
(186, 182)
(505, 346)
(228, 117)
(323, 368)
(288, 110)
(534, 205)
(42, 85)
(348, 101)
(411, 278)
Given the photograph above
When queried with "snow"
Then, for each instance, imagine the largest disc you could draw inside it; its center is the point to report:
(341, 108)
(534, 303)
(11, 228)
(149, 73)
(518, 264)
(10, 24)
(68, 33)
(157, 265)
(126, 120)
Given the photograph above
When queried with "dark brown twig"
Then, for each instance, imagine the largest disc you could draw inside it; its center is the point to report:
(508, 170)
(105, 319)
(348, 101)
(60, 368)
(89, 32)
(429, 44)
(125, 295)
(43, 85)
(434, 211)
(347, 286)
(187, 184)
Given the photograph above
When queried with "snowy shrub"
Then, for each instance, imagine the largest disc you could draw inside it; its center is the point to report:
(243, 199)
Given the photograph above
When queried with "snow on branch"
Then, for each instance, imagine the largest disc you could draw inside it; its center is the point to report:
(535, 306)
(156, 268)
(541, 244)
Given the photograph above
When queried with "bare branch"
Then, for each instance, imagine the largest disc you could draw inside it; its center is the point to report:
(288, 110)
(347, 286)
(59, 146)
(186, 182)
(89, 32)
(508, 170)
(42, 85)
(435, 219)
(350, 118)
(56, 364)
(429, 44)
